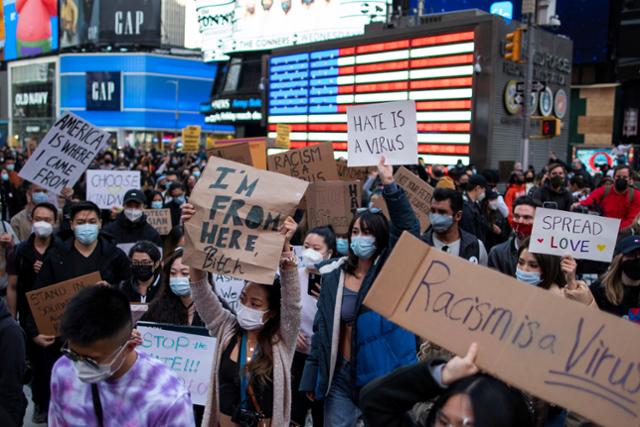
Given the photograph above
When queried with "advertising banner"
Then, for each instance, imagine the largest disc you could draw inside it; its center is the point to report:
(78, 22)
(131, 22)
(31, 28)
(103, 91)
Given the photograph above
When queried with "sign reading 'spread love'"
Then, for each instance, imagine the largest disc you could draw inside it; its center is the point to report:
(583, 236)
(186, 350)
(64, 153)
(388, 129)
(239, 212)
(557, 349)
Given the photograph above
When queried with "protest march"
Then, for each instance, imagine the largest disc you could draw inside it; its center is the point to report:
(257, 284)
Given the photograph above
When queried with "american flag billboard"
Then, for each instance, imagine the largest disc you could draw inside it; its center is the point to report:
(311, 91)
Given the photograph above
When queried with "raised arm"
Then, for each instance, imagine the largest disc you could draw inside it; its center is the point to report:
(290, 306)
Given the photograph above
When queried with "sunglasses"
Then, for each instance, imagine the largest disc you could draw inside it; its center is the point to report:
(372, 210)
(75, 357)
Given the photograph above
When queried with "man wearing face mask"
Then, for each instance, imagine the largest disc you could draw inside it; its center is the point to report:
(621, 200)
(131, 224)
(555, 190)
(178, 198)
(103, 380)
(444, 232)
(472, 219)
(21, 222)
(23, 266)
(504, 257)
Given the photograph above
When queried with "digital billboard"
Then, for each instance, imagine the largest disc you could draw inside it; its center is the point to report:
(247, 25)
(311, 91)
(78, 22)
(31, 28)
(131, 22)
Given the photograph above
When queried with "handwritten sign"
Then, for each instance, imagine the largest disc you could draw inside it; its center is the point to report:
(47, 304)
(239, 211)
(160, 219)
(64, 153)
(584, 236)
(107, 188)
(346, 173)
(333, 203)
(191, 139)
(559, 350)
(252, 152)
(313, 164)
(283, 136)
(387, 129)
(418, 192)
(186, 350)
(228, 289)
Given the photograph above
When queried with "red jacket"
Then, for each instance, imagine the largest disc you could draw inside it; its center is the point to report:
(616, 205)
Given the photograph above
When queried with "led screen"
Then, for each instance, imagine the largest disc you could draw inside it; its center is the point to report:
(311, 91)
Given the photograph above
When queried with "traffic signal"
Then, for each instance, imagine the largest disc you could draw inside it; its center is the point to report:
(550, 127)
(513, 47)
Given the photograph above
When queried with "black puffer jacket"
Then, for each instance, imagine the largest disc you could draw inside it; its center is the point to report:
(124, 231)
(12, 368)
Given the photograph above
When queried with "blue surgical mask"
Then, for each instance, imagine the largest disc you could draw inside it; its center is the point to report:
(196, 174)
(180, 286)
(156, 204)
(363, 246)
(439, 222)
(39, 197)
(11, 167)
(342, 246)
(530, 277)
(5, 177)
(86, 233)
(181, 200)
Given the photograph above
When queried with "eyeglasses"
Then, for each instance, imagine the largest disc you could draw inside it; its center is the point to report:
(372, 210)
(442, 420)
(75, 357)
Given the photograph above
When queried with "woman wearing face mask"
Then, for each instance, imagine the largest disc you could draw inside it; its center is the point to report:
(319, 246)
(156, 200)
(345, 332)
(499, 229)
(618, 290)
(144, 284)
(515, 189)
(342, 245)
(251, 372)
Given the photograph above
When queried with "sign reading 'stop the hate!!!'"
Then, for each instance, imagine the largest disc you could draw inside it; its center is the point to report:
(568, 233)
(387, 129)
(239, 211)
(64, 153)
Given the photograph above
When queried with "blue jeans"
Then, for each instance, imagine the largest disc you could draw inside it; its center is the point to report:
(340, 409)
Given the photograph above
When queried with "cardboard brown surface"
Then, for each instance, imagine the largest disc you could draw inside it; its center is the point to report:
(418, 192)
(191, 139)
(160, 219)
(377, 201)
(556, 349)
(352, 174)
(333, 202)
(47, 304)
(283, 138)
(314, 163)
(240, 152)
(239, 211)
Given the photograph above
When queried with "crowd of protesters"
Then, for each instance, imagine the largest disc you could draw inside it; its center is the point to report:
(302, 350)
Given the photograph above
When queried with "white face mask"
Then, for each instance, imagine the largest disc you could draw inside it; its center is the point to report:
(42, 228)
(133, 214)
(91, 375)
(311, 257)
(250, 319)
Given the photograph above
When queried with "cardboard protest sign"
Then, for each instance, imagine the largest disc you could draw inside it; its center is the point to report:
(283, 138)
(160, 219)
(240, 153)
(64, 153)
(559, 350)
(228, 289)
(583, 236)
(418, 192)
(236, 151)
(388, 129)
(377, 201)
(107, 188)
(239, 212)
(314, 163)
(346, 173)
(186, 350)
(47, 304)
(191, 139)
(333, 202)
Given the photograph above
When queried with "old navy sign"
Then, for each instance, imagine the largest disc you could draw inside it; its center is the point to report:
(103, 91)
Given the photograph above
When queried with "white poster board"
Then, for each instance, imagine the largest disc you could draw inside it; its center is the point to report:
(388, 129)
(107, 188)
(583, 236)
(189, 355)
(229, 289)
(64, 153)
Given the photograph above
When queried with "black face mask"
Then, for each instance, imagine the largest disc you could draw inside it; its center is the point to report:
(621, 184)
(142, 272)
(557, 181)
(632, 268)
(438, 173)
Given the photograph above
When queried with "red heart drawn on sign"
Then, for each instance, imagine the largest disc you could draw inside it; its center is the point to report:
(540, 240)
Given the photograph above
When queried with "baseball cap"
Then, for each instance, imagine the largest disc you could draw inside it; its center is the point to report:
(134, 195)
(628, 244)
